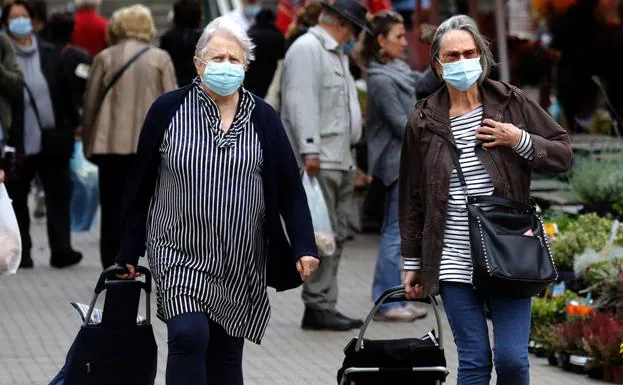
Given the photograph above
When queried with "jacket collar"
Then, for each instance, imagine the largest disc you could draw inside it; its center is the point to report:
(495, 97)
(325, 38)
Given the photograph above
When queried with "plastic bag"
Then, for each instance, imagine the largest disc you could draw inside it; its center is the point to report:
(325, 238)
(84, 192)
(10, 239)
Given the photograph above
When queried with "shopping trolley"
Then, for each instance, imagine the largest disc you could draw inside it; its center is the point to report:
(415, 360)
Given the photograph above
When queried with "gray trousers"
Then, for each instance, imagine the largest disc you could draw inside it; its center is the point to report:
(320, 291)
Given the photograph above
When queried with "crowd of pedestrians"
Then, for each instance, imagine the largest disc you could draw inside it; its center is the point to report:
(201, 175)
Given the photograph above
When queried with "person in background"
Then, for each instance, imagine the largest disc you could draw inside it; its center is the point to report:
(90, 29)
(322, 115)
(270, 48)
(180, 41)
(76, 61)
(45, 107)
(215, 165)
(391, 86)
(111, 123)
(305, 19)
(245, 15)
(500, 136)
(11, 80)
(40, 18)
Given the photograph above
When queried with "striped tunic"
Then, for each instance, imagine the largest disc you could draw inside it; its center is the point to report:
(206, 243)
(456, 260)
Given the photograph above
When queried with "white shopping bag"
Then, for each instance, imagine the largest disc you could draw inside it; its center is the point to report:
(10, 240)
(325, 238)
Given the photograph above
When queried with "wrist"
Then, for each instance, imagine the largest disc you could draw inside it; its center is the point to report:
(517, 138)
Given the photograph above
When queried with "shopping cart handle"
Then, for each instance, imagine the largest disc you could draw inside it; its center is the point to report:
(112, 271)
(397, 294)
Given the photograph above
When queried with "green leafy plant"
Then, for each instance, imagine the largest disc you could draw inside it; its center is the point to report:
(590, 257)
(589, 231)
(598, 181)
(606, 281)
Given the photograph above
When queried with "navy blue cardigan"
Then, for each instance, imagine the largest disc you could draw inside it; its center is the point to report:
(283, 191)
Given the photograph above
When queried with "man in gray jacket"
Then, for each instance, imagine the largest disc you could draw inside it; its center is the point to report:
(322, 116)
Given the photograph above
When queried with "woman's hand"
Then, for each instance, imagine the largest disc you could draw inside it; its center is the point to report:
(494, 134)
(413, 285)
(1, 176)
(306, 266)
(131, 274)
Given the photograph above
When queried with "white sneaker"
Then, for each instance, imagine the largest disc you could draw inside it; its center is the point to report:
(417, 311)
(398, 314)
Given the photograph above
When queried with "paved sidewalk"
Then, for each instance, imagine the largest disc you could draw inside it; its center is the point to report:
(37, 323)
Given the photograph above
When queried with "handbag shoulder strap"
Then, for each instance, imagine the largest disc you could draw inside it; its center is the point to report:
(31, 96)
(455, 154)
(123, 69)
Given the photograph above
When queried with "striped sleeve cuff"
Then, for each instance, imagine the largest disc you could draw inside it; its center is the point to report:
(410, 264)
(524, 148)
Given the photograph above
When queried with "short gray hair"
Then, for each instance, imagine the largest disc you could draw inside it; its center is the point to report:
(224, 25)
(329, 17)
(467, 24)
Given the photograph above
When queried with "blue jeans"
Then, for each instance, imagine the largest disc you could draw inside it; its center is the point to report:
(511, 329)
(387, 273)
(201, 353)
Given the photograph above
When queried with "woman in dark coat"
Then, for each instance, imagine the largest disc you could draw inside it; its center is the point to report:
(45, 111)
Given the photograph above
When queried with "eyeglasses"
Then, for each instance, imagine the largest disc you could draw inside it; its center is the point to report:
(453, 56)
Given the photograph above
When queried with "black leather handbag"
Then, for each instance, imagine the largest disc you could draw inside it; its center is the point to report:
(509, 248)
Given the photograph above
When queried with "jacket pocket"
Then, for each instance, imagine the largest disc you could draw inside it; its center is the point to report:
(334, 114)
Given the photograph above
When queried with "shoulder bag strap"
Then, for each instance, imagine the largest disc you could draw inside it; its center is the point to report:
(121, 71)
(455, 153)
(34, 105)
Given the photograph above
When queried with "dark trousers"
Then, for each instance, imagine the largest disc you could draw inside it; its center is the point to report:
(113, 172)
(54, 176)
(201, 353)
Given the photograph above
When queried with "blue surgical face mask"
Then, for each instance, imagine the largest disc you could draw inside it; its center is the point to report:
(349, 46)
(20, 26)
(462, 74)
(251, 11)
(223, 78)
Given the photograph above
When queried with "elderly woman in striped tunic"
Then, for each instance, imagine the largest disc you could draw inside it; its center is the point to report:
(214, 175)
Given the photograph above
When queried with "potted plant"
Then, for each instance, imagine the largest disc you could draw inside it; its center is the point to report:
(571, 349)
(597, 184)
(602, 335)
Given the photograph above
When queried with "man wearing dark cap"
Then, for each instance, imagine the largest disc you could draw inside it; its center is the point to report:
(322, 116)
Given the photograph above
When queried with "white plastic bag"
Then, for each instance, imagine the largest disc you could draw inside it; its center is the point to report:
(325, 238)
(10, 240)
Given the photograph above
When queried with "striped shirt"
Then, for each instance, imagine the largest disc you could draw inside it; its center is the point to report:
(456, 261)
(206, 243)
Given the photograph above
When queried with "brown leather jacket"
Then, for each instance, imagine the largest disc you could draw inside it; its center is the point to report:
(426, 166)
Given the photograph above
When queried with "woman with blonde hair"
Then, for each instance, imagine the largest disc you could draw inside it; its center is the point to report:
(124, 81)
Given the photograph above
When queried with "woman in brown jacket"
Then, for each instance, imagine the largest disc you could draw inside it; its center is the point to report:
(501, 136)
(112, 120)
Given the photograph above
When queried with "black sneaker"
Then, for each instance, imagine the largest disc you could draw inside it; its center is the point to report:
(355, 323)
(26, 263)
(69, 259)
(324, 320)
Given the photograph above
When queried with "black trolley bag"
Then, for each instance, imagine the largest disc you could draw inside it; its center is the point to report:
(118, 350)
(411, 360)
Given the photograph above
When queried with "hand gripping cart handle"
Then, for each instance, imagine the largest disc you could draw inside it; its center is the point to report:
(111, 272)
(406, 359)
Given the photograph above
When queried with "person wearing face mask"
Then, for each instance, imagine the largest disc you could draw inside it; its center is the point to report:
(392, 88)
(42, 132)
(245, 15)
(499, 135)
(124, 80)
(214, 175)
(321, 113)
